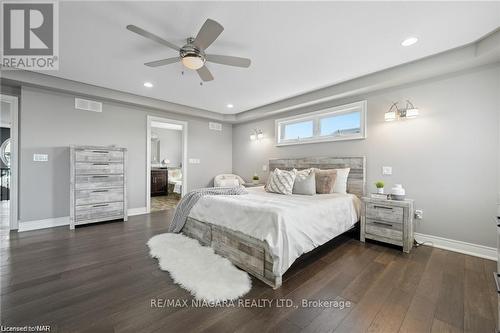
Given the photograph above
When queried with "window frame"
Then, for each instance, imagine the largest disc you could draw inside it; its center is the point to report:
(316, 117)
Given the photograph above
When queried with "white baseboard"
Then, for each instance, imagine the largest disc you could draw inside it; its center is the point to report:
(459, 246)
(60, 221)
(42, 224)
(137, 211)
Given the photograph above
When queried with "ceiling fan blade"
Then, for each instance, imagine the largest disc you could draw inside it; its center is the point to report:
(228, 60)
(151, 36)
(162, 62)
(208, 34)
(205, 74)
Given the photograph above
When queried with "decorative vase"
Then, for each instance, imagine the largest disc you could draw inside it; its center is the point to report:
(398, 192)
(380, 190)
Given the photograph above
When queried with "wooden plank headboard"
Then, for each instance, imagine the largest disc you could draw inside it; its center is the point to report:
(356, 182)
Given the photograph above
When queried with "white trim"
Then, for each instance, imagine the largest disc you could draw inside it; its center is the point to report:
(14, 130)
(137, 211)
(475, 250)
(184, 124)
(42, 224)
(316, 117)
(62, 221)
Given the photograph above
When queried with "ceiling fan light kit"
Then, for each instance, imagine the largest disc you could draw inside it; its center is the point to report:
(192, 55)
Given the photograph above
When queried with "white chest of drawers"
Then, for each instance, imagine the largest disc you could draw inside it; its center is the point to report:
(98, 186)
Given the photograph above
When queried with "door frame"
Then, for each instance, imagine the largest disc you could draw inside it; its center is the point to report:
(184, 125)
(14, 161)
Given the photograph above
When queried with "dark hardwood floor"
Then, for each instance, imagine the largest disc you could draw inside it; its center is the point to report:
(100, 278)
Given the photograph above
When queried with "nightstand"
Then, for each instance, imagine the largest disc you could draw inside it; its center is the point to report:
(388, 221)
(252, 185)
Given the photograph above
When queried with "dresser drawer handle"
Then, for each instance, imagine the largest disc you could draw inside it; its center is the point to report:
(496, 276)
(100, 163)
(95, 191)
(382, 207)
(382, 223)
(100, 176)
(100, 151)
(103, 205)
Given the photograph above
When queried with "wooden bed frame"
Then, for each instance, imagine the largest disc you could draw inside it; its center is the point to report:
(253, 255)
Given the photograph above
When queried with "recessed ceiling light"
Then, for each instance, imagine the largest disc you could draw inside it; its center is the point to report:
(230, 106)
(148, 85)
(409, 41)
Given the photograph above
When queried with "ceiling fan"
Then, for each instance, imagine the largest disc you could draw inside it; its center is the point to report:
(192, 55)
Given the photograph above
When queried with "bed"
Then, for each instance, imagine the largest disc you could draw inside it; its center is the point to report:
(264, 233)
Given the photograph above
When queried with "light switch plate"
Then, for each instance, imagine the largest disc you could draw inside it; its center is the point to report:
(194, 161)
(387, 170)
(40, 157)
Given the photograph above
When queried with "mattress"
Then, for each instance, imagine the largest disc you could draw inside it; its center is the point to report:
(291, 224)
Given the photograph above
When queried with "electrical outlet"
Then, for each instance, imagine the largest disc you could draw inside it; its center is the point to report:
(386, 170)
(40, 157)
(419, 214)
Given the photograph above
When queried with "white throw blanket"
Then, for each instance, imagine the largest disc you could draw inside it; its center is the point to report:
(189, 200)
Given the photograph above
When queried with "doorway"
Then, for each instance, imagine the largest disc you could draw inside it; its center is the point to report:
(166, 163)
(8, 162)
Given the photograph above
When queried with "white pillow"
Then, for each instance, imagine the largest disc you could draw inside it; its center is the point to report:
(340, 185)
(229, 182)
(281, 181)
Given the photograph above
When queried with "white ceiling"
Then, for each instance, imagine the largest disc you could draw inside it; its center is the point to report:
(295, 47)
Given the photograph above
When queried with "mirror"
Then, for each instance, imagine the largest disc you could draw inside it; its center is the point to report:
(155, 150)
(5, 152)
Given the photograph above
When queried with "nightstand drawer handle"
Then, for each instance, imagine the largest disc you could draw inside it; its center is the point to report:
(382, 223)
(496, 276)
(382, 207)
(103, 205)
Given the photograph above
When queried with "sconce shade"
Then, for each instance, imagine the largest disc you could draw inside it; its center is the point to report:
(390, 115)
(252, 137)
(412, 113)
(260, 135)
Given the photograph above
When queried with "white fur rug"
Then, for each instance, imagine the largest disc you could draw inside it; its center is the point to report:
(196, 268)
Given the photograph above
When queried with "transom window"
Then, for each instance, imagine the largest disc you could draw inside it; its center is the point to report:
(345, 122)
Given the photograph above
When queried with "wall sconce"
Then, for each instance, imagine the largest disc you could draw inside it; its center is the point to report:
(256, 135)
(394, 112)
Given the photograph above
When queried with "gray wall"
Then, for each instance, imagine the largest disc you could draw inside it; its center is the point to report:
(49, 124)
(170, 145)
(447, 158)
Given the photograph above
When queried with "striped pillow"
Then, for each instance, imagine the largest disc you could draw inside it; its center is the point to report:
(281, 181)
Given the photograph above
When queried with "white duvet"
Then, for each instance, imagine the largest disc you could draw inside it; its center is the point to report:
(291, 224)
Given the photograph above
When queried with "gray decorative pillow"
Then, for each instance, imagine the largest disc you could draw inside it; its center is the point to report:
(281, 181)
(305, 182)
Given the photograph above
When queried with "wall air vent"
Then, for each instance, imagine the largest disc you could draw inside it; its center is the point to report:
(215, 126)
(88, 105)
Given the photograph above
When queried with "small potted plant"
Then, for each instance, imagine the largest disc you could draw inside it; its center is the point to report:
(380, 187)
(255, 179)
